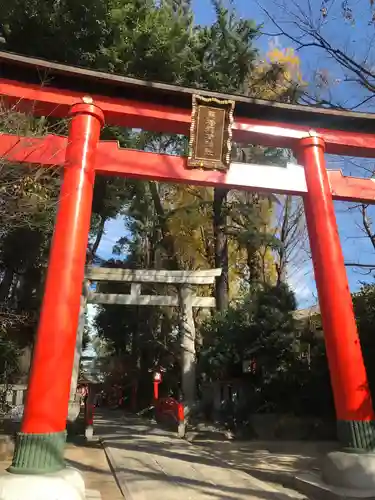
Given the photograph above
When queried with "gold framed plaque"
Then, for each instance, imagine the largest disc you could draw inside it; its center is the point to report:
(210, 142)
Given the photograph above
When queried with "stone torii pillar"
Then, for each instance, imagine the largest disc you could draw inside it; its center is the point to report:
(186, 300)
(187, 330)
(81, 327)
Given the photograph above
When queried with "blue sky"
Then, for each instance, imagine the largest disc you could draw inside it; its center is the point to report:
(355, 38)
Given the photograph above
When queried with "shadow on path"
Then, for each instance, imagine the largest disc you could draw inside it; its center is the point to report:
(151, 463)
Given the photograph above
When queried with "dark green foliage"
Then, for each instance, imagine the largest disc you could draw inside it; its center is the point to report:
(308, 379)
(23, 253)
(150, 42)
(226, 52)
(9, 352)
(69, 31)
(286, 377)
(364, 308)
(135, 37)
(259, 329)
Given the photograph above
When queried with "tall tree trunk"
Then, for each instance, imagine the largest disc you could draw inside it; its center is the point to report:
(97, 241)
(367, 224)
(253, 264)
(221, 248)
(168, 240)
(282, 263)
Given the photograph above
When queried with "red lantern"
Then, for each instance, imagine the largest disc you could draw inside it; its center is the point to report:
(157, 380)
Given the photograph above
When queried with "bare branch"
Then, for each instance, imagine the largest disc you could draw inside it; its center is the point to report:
(357, 264)
(364, 76)
(367, 224)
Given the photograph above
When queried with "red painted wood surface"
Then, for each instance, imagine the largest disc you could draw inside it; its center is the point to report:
(156, 391)
(112, 160)
(89, 414)
(51, 371)
(48, 151)
(169, 408)
(348, 373)
(49, 101)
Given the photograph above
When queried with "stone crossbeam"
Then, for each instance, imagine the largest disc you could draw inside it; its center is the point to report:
(205, 277)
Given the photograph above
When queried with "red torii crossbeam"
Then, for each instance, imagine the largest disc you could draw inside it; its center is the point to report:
(113, 160)
(49, 101)
(133, 103)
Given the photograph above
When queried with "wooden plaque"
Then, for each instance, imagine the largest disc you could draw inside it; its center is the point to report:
(210, 133)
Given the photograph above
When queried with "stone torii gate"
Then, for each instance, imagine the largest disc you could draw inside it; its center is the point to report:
(211, 120)
(186, 300)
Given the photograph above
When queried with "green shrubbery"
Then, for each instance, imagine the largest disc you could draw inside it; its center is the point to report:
(289, 372)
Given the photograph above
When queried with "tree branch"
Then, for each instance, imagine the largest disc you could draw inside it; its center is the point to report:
(356, 264)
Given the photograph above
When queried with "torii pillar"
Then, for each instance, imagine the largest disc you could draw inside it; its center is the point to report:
(354, 466)
(38, 470)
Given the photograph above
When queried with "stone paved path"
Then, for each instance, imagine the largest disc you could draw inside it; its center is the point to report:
(91, 461)
(152, 464)
(276, 462)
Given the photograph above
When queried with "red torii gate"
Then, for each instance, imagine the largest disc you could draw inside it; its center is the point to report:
(166, 108)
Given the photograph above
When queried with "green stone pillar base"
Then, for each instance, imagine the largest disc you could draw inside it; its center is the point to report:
(38, 453)
(356, 436)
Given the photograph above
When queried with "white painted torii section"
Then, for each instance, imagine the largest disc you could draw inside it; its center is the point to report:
(186, 300)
